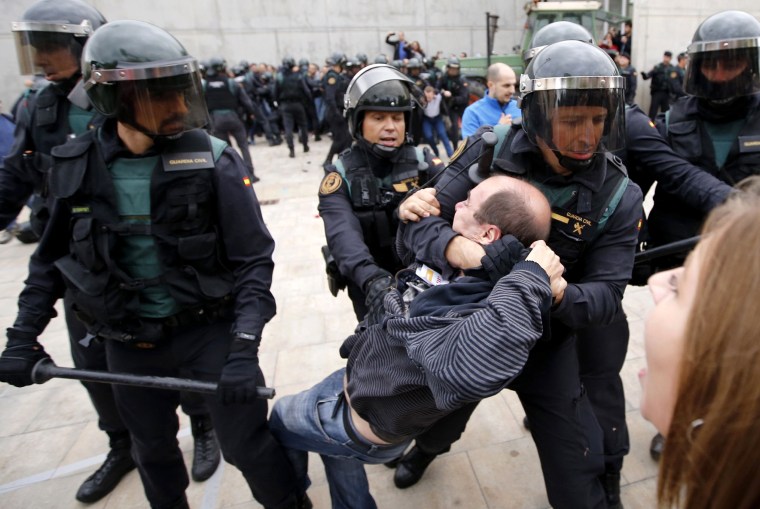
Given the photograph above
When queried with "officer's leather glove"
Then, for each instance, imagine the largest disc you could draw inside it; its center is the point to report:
(501, 255)
(19, 357)
(240, 373)
(375, 291)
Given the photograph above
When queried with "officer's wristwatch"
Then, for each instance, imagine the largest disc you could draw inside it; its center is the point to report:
(247, 337)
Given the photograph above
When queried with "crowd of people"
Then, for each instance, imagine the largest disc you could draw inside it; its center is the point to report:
(504, 269)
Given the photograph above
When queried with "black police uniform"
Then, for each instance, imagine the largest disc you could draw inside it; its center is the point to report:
(631, 77)
(292, 95)
(358, 200)
(224, 98)
(255, 89)
(599, 264)
(335, 85)
(418, 113)
(686, 129)
(660, 88)
(456, 104)
(220, 283)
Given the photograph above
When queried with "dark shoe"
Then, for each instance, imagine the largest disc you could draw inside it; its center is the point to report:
(254, 179)
(611, 484)
(206, 454)
(526, 423)
(277, 142)
(411, 467)
(305, 148)
(317, 137)
(102, 482)
(392, 463)
(656, 447)
(292, 152)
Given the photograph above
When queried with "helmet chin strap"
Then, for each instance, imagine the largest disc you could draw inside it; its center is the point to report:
(381, 151)
(572, 164)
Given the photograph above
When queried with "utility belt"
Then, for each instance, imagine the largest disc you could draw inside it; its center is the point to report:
(147, 333)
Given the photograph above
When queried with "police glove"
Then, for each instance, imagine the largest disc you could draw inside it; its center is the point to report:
(501, 255)
(19, 357)
(240, 373)
(375, 291)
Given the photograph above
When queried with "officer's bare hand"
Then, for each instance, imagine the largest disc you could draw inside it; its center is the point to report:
(505, 119)
(446, 93)
(421, 204)
(549, 261)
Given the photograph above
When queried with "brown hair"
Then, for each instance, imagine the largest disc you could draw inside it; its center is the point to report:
(712, 451)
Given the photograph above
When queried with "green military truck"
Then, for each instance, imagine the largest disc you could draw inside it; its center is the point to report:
(539, 14)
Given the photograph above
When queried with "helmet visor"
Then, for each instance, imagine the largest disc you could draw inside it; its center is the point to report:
(46, 52)
(577, 122)
(723, 69)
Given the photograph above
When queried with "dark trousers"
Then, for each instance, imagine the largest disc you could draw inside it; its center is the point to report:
(150, 416)
(341, 138)
(454, 116)
(271, 132)
(294, 114)
(563, 426)
(93, 356)
(661, 101)
(225, 124)
(601, 354)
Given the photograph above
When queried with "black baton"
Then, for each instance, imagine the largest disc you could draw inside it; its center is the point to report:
(45, 369)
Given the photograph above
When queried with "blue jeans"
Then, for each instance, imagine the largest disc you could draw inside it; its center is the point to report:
(313, 421)
(436, 123)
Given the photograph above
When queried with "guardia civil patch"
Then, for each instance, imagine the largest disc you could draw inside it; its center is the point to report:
(331, 80)
(330, 183)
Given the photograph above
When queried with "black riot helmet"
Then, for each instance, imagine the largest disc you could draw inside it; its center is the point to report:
(378, 87)
(337, 58)
(141, 75)
(288, 63)
(50, 25)
(724, 58)
(362, 58)
(216, 66)
(573, 102)
(555, 32)
(381, 59)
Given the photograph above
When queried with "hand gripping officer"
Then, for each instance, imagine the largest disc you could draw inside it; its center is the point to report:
(359, 195)
(573, 112)
(172, 278)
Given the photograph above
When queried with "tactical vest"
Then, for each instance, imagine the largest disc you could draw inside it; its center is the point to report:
(578, 215)
(219, 95)
(375, 199)
(291, 87)
(182, 210)
(688, 138)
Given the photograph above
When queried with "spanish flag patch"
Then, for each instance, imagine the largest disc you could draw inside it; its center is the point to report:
(247, 181)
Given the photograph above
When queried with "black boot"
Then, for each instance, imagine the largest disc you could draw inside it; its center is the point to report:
(206, 454)
(305, 148)
(611, 484)
(411, 467)
(656, 447)
(117, 464)
(292, 152)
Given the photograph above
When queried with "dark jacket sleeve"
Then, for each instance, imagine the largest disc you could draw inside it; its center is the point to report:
(344, 235)
(244, 100)
(247, 244)
(647, 149)
(428, 238)
(44, 285)
(595, 298)
(18, 174)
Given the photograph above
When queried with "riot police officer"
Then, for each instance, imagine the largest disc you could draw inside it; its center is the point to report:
(225, 99)
(292, 94)
(49, 39)
(660, 87)
(456, 96)
(359, 195)
(562, 146)
(146, 240)
(334, 84)
(714, 125)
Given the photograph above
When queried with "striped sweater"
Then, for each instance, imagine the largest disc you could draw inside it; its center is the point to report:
(473, 340)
